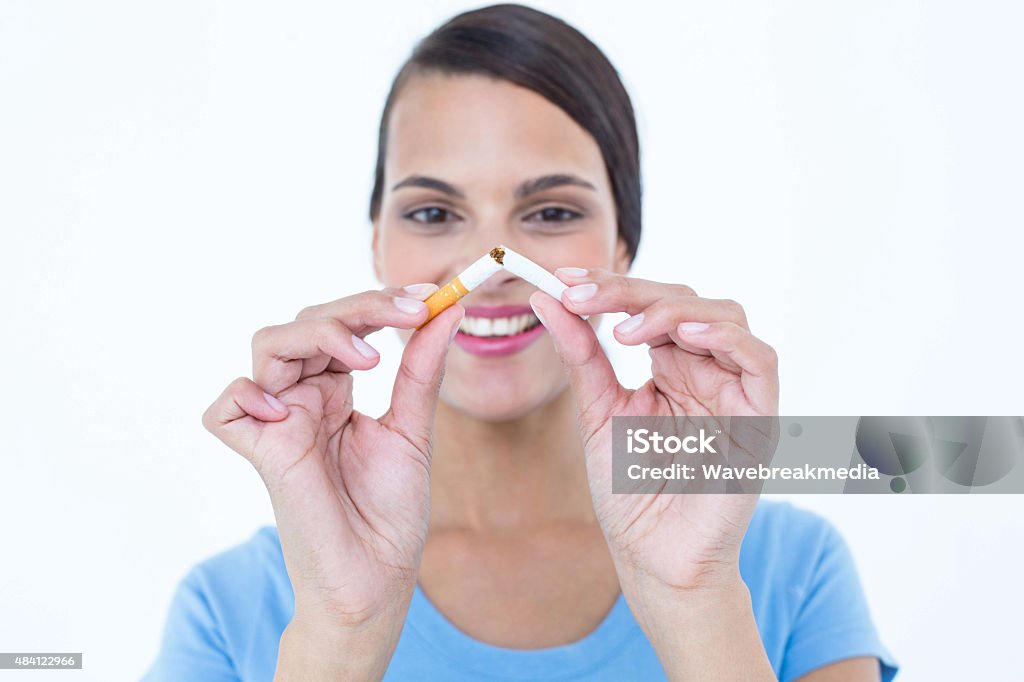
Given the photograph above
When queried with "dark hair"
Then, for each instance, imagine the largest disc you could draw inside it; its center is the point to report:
(544, 54)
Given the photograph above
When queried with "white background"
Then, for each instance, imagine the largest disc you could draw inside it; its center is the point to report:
(175, 175)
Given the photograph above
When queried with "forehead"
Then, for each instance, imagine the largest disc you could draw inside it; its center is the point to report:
(472, 127)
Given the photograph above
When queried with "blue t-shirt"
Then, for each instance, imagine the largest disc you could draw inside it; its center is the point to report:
(228, 613)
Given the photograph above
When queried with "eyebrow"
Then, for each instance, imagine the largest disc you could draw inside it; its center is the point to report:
(524, 190)
(430, 183)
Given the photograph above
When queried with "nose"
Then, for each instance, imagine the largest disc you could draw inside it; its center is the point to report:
(499, 287)
(498, 284)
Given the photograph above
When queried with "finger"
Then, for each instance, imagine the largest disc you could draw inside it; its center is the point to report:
(360, 312)
(352, 310)
(756, 361)
(656, 324)
(598, 290)
(329, 336)
(602, 291)
(414, 396)
(591, 375)
(236, 417)
(280, 352)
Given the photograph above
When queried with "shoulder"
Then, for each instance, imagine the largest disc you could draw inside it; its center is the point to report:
(780, 525)
(227, 614)
(808, 599)
(249, 577)
(787, 547)
(781, 518)
(260, 552)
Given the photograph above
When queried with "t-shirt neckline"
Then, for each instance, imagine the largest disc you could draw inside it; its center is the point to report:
(567, 659)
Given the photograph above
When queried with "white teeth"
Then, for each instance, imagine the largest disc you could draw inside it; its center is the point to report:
(499, 326)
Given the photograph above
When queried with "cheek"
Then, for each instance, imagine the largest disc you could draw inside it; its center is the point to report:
(404, 260)
(585, 251)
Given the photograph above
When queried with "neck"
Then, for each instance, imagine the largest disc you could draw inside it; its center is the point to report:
(509, 475)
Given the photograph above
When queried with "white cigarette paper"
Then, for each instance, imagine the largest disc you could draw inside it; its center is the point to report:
(521, 266)
(479, 271)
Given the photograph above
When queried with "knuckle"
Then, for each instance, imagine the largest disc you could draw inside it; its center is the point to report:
(259, 337)
(663, 310)
(308, 312)
(207, 418)
(368, 297)
(237, 385)
(377, 298)
(413, 377)
(684, 290)
(342, 305)
(618, 285)
(735, 309)
(328, 329)
(210, 414)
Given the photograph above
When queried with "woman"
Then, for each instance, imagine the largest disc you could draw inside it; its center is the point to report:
(470, 532)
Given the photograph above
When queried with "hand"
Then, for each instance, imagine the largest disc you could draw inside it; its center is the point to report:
(350, 493)
(676, 540)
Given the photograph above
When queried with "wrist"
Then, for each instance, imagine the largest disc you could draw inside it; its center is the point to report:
(656, 602)
(326, 645)
(701, 631)
(699, 578)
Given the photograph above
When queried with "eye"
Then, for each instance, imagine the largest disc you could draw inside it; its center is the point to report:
(430, 215)
(554, 214)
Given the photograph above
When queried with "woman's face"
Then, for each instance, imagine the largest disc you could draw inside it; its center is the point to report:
(473, 162)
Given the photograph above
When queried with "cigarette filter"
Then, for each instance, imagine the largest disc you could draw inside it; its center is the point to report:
(469, 279)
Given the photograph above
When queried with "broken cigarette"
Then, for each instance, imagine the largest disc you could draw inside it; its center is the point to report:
(469, 279)
(498, 258)
(525, 268)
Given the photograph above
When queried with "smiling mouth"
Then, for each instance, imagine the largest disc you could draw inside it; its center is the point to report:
(494, 327)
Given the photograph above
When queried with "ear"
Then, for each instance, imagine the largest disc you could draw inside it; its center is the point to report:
(375, 246)
(622, 260)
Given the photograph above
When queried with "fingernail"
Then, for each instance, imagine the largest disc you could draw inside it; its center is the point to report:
(420, 290)
(581, 292)
(692, 327)
(572, 272)
(274, 403)
(409, 305)
(630, 324)
(537, 313)
(365, 349)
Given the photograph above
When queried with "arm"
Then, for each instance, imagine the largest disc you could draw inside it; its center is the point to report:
(701, 633)
(677, 555)
(312, 650)
(860, 669)
(351, 494)
(711, 634)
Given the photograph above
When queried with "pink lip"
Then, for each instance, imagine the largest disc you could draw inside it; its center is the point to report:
(489, 347)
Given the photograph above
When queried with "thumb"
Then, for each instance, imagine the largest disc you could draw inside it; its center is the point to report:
(591, 375)
(414, 396)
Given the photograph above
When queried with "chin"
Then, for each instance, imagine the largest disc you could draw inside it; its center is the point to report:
(486, 402)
